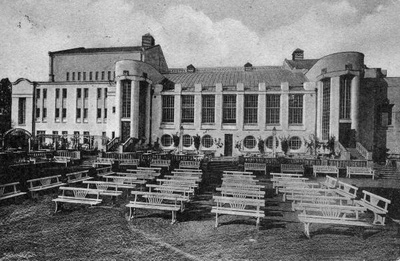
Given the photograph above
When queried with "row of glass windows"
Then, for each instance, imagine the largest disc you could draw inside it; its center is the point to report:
(249, 142)
(229, 104)
(92, 76)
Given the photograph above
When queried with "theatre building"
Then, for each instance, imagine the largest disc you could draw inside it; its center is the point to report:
(112, 97)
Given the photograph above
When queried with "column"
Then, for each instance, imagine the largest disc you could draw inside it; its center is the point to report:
(355, 93)
(178, 106)
(240, 106)
(319, 110)
(285, 106)
(197, 106)
(117, 106)
(149, 117)
(135, 88)
(218, 106)
(261, 105)
(334, 107)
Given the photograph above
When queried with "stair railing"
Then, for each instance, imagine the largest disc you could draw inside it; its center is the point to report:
(363, 151)
(112, 143)
(127, 143)
(344, 153)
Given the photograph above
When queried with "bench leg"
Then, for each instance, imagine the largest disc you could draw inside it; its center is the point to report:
(173, 217)
(307, 230)
(55, 211)
(216, 219)
(258, 222)
(379, 219)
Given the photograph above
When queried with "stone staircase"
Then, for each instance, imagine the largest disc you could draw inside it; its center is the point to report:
(387, 172)
(355, 154)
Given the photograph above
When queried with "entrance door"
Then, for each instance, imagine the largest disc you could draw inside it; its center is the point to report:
(125, 130)
(345, 135)
(228, 144)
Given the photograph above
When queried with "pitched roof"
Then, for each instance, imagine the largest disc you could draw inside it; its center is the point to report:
(99, 50)
(272, 76)
(301, 64)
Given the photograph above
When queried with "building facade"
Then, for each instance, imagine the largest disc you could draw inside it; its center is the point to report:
(128, 95)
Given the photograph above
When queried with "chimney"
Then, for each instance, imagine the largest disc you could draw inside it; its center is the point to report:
(248, 67)
(190, 68)
(147, 41)
(297, 55)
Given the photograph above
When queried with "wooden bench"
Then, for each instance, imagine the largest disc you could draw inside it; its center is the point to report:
(349, 209)
(285, 175)
(249, 166)
(39, 184)
(282, 181)
(329, 182)
(325, 170)
(187, 174)
(10, 190)
(154, 201)
(346, 190)
(129, 163)
(183, 177)
(160, 163)
(62, 160)
(360, 171)
(239, 207)
(332, 214)
(241, 192)
(292, 168)
(158, 170)
(104, 171)
(78, 176)
(75, 195)
(189, 164)
(173, 182)
(103, 162)
(199, 171)
(307, 194)
(125, 180)
(184, 192)
(377, 204)
(104, 188)
(240, 185)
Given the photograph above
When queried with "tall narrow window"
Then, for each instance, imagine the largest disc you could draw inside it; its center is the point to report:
(67, 77)
(208, 109)
(98, 93)
(273, 108)
(345, 97)
(109, 75)
(250, 108)
(102, 76)
(126, 99)
(44, 105)
(229, 109)
(188, 108)
(73, 76)
(78, 105)
(97, 76)
(326, 108)
(85, 104)
(21, 111)
(168, 108)
(64, 105)
(38, 104)
(90, 76)
(296, 109)
(79, 76)
(57, 106)
(84, 76)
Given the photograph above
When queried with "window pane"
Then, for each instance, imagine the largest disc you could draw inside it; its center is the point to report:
(168, 108)
(250, 108)
(295, 109)
(273, 106)
(229, 109)
(188, 108)
(208, 109)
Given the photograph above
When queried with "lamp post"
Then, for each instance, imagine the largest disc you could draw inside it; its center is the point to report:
(273, 142)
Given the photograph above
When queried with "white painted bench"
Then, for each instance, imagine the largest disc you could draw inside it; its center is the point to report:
(154, 201)
(141, 175)
(325, 170)
(104, 171)
(292, 168)
(39, 184)
(75, 195)
(10, 190)
(349, 209)
(241, 192)
(78, 176)
(125, 180)
(284, 185)
(243, 186)
(334, 215)
(129, 162)
(278, 182)
(184, 192)
(183, 177)
(199, 171)
(104, 187)
(285, 175)
(187, 174)
(183, 183)
(160, 163)
(62, 160)
(158, 170)
(307, 194)
(329, 182)
(100, 162)
(346, 190)
(189, 164)
(238, 207)
(249, 166)
(377, 204)
(360, 171)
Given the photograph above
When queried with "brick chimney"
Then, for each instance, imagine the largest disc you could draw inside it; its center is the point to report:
(147, 40)
(297, 54)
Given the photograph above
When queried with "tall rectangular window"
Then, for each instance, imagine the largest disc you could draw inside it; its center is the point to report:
(44, 93)
(67, 76)
(85, 93)
(229, 108)
(90, 76)
(98, 113)
(38, 104)
(57, 93)
(21, 111)
(85, 104)
(44, 105)
(272, 108)
(98, 93)
(296, 109)
(78, 93)
(250, 108)
(345, 98)
(79, 76)
(168, 108)
(64, 93)
(84, 76)
(208, 109)
(109, 75)
(326, 108)
(188, 108)
(73, 76)
(102, 76)
(57, 106)
(78, 114)
(97, 76)
(126, 99)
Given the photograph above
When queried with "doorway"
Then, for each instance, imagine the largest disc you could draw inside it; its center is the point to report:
(228, 145)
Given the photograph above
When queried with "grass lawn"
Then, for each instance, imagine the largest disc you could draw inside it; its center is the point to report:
(29, 230)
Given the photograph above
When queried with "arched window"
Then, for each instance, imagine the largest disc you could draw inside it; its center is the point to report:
(207, 141)
(294, 143)
(270, 140)
(166, 140)
(187, 140)
(249, 142)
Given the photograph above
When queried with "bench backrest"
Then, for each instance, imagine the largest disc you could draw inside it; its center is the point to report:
(325, 169)
(79, 192)
(9, 188)
(292, 168)
(376, 201)
(255, 166)
(295, 175)
(160, 163)
(350, 189)
(129, 161)
(104, 170)
(77, 175)
(330, 182)
(104, 160)
(238, 203)
(359, 170)
(45, 181)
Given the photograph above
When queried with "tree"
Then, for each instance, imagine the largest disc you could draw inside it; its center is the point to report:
(5, 105)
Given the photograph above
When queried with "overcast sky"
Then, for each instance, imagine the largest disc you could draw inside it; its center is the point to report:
(205, 33)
